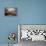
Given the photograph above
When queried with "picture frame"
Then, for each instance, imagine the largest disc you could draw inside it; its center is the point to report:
(10, 11)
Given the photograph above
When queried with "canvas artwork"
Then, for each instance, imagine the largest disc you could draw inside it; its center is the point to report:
(10, 11)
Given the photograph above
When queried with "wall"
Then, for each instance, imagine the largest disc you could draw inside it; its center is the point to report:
(29, 12)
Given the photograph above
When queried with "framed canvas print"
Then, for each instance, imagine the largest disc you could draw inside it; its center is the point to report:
(10, 11)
